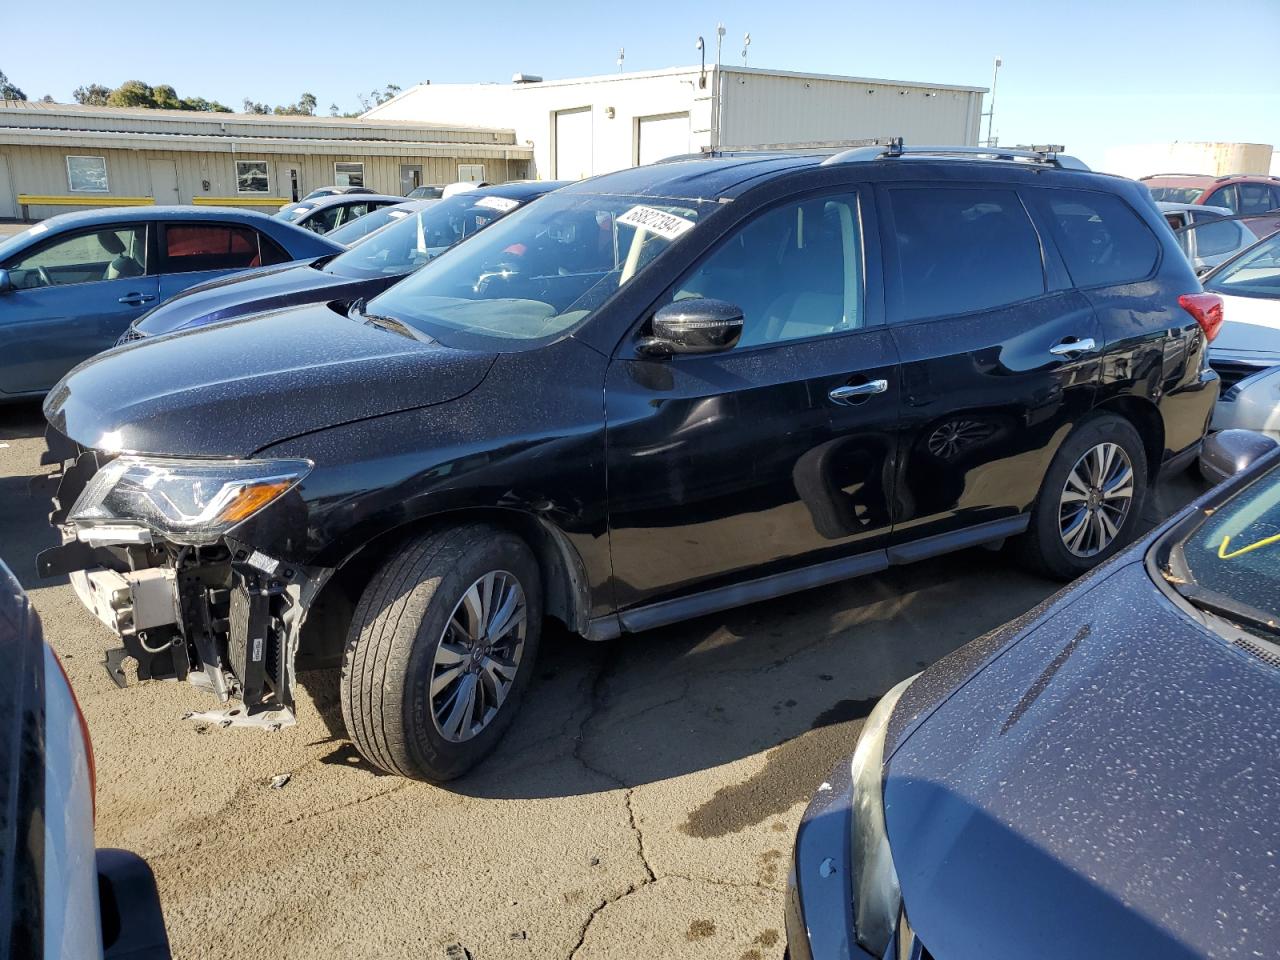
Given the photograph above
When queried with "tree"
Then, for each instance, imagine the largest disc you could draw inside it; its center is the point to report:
(47, 99)
(132, 93)
(94, 95)
(252, 106)
(9, 91)
(375, 98)
(305, 107)
(333, 109)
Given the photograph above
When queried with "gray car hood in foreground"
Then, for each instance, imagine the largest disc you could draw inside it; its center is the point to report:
(1106, 787)
(233, 388)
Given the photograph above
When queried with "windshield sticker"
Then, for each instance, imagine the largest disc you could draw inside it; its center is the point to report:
(666, 225)
(501, 204)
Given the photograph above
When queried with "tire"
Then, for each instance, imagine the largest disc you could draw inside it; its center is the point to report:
(397, 646)
(1044, 546)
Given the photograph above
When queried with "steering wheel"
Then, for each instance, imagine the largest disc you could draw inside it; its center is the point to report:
(45, 279)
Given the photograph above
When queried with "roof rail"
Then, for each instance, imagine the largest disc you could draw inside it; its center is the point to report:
(1254, 176)
(1048, 155)
(1152, 176)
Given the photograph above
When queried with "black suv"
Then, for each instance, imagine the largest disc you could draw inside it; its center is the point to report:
(646, 396)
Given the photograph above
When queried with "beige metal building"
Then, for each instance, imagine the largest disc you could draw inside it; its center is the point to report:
(59, 157)
(1215, 159)
(589, 125)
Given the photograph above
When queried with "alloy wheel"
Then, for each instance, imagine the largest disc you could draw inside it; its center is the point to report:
(1096, 499)
(478, 656)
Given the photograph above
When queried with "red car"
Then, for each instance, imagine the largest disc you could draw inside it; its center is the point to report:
(1239, 193)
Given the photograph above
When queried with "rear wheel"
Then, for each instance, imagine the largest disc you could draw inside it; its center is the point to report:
(440, 650)
(1090, 503)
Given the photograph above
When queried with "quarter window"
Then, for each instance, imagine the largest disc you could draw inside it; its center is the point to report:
(795, 271)
(252, 177)
(209, 246)
(100, 255)
(963, 250)
(348, 174)
(1101, 239)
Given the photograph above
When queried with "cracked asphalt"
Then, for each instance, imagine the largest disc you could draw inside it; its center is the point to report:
(642, 805)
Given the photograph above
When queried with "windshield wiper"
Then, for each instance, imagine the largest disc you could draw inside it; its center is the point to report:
(1242, 614)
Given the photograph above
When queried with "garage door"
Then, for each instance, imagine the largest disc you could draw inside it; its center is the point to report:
(573, 144)
(662, 136)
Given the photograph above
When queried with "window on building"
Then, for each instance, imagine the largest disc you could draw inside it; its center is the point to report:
(87, 174)
(963, 250)
(795, 271)
(209, 246)
(252, 177)
(1101, 238)
(471, 172)
(114, 254)
(348, 174)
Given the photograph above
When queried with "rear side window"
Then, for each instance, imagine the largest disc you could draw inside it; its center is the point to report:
(1255, 198)
(272, 252)
(963, 250)
(209, 246)
(1101, 239)
(1224, 197)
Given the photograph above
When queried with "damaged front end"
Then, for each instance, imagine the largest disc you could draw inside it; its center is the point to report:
(153, 549)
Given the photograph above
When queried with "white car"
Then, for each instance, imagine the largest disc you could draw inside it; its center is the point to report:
(1246, 351)
(1207, 246)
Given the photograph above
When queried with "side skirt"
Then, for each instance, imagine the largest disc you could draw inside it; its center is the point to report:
(649, 616)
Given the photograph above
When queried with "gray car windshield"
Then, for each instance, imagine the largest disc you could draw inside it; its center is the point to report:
(542, 270)
(1255, 273)
(411, 241)
(1232, 560)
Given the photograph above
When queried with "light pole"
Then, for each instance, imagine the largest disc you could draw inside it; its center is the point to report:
(746, 42)
(991, 110)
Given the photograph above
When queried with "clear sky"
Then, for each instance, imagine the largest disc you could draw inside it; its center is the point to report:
(1088, 73)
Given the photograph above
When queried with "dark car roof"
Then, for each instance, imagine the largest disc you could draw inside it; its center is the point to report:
(339, 199)
(517, 189)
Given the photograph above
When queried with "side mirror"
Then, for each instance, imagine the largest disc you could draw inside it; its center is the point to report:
(5, 283)
(1229, 452)
(694, 326)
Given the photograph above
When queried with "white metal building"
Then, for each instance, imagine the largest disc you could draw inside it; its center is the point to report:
(1189, 156)
(590, 125)
(58, 157)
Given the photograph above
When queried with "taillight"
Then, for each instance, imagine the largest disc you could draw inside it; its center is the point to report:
(84, 731)
(1206, 308)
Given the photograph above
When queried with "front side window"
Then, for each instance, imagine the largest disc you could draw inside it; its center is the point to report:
(1100, 237)
(114, 254)
(348, 174)
(539, 272)
(1224, 197)
(1253, 274)
(209, 246)
(252, 177)
(794, 271)
(87, 174)
(1217, 237)
(963, 250)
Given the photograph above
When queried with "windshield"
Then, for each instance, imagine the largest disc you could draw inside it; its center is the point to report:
(1176, 194)
(1256, 273)
(543, 270)
(1230, 563)
(405, 245)
(356, 230)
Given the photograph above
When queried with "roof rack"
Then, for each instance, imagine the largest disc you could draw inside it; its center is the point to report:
(1255, 176)
(1050, 155)
(1152, 176)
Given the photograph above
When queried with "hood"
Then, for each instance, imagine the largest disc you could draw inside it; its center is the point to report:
(1250, 329)
(1105, 788)
(234, 388)
(239, 295)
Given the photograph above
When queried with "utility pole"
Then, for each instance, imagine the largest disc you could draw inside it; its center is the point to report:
(991, 109)
(719, 90)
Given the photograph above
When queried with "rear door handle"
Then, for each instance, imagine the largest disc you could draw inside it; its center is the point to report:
(853, 392)
(136, 299)
(1069, 347)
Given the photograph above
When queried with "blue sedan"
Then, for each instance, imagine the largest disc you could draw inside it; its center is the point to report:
(1095, 779)
(69, 286)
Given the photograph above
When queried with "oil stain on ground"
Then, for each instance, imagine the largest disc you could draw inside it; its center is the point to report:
(791, 773)
(700, 930)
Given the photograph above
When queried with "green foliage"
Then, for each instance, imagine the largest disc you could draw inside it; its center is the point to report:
(10, 91)
(305, 107)
(135, 93)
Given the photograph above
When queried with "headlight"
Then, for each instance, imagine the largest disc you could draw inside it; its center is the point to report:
(187, 501)
(877, 900)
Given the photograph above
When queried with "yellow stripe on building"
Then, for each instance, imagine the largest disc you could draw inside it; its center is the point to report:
(26, 199)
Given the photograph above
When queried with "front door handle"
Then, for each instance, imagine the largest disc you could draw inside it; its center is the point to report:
(1070, 347)
(136, 299)
(854, 392)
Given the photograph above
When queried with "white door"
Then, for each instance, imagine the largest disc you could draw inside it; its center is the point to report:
(662, 136)
(164, 181)
(8, 203)
(574, 144)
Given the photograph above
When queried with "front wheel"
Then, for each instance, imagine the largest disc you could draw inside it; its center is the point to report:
(440, 650)
(1090, 503)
